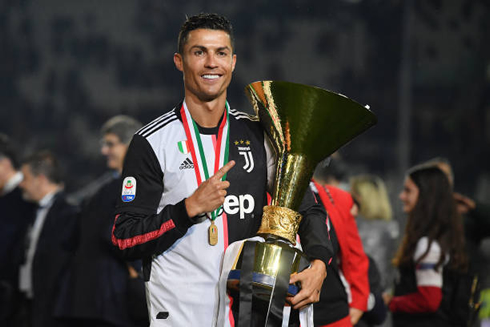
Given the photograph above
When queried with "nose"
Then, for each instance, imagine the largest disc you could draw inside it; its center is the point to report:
(211, 61)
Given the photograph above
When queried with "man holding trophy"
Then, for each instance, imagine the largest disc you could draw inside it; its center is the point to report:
(195, 180)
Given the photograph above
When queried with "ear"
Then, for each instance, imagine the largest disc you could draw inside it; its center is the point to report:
(179, 61)
(233, 63)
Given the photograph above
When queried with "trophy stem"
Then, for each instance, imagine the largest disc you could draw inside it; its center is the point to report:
(293, 175)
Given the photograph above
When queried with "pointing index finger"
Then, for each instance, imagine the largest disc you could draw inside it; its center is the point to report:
(220, 173)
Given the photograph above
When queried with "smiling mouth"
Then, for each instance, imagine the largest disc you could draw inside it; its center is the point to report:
(210, 76)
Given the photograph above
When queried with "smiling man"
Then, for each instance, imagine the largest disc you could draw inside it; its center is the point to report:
(188, 189)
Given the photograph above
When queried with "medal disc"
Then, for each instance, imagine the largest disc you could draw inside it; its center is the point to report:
(213, 234)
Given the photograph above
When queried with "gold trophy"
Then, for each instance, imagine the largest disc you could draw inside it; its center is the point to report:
(305, 125)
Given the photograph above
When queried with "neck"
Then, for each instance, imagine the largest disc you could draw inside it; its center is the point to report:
(47, 189)
(206, 114)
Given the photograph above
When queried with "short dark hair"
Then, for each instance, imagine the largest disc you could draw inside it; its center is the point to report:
(7, 150)
(204, 21)
(45, 163)
(330, 168)
(122, 126)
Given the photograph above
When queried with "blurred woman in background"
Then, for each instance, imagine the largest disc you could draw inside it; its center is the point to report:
(378, 231)
(432, 246)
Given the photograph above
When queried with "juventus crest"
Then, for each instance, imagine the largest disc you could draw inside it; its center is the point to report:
(245, 151)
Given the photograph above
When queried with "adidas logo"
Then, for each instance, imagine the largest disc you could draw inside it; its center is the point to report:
(186, 164)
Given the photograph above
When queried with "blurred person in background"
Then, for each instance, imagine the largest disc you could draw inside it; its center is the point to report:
(15, 215)
(102, 289)
(47, 249)
(378, 231)
(476, 214)
(333, 171)
(341, 304)
(377, 311)
(432, 250)
(351, 296)
(476, 221)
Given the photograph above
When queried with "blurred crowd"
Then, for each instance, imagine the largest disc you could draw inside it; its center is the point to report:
(59, 267)
(428, 267)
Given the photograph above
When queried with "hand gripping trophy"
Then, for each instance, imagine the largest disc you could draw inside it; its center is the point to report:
(305, 125)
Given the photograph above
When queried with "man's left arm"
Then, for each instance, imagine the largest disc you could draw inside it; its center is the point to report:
(317, 246)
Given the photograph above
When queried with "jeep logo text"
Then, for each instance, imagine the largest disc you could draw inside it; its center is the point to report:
(243, 203)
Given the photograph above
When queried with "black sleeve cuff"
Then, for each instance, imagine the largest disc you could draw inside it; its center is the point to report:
(181, 219)
(320, 253)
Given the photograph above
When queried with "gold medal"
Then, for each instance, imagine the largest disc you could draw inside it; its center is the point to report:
(213, 234)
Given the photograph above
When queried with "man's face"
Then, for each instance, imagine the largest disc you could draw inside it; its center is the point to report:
(207, 63)
(31, 185)
(114, 150)
(409, 195)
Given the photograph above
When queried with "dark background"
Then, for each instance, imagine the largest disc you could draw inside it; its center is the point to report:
(422, 66)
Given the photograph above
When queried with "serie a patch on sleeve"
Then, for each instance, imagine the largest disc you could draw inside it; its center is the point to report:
(128, 189)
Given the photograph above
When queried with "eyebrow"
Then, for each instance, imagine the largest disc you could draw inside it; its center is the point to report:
(201, 47)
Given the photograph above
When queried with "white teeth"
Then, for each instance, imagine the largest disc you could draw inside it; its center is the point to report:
(210, 76)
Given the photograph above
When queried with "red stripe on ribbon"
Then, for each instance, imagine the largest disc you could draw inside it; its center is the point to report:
(220, 139)
(224, 220)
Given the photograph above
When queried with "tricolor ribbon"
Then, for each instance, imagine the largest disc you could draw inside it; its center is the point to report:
(221, 151)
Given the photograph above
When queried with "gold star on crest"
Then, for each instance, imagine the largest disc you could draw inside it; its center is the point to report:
(241, 141)
(236, 142)
(247, 142)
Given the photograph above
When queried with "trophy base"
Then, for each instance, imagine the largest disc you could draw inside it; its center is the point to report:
(262, 285)
(267, 265)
